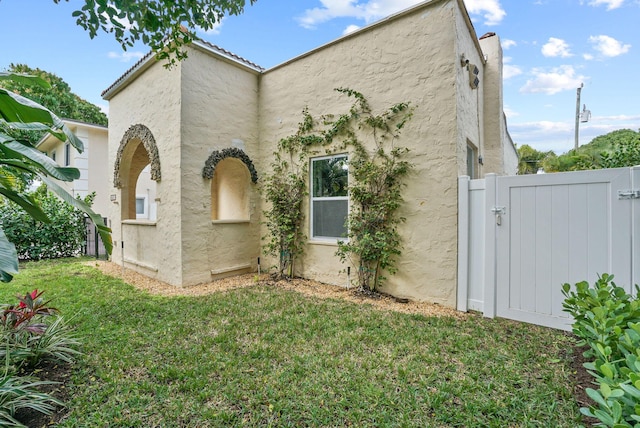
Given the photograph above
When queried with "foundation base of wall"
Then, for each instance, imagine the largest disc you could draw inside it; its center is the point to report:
(231, 271)
(141, 264)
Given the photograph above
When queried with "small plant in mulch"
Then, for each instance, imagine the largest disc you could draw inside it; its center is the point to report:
(35, 342)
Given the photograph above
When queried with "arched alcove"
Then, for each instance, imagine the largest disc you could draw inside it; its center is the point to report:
(137, 151)
(231, 172)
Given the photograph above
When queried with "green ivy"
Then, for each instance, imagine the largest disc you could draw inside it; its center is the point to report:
(377, 170)
(285, 188)
(63, 236)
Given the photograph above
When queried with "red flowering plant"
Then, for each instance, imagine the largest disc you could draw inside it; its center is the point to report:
(27, 315)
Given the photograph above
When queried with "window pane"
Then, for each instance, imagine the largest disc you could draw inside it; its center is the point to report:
(139, 205)
(329, 218)
(330, 177)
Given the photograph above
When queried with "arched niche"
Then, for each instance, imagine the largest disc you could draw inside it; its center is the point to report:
(231, 172)
(137, 150)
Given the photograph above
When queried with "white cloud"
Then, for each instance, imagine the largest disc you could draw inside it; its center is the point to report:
(556, 48)
(350, 29)
(509, 112)
(611, 4)
(559, 79)
(371, 10)
(508, 70)
(508, 43)
(587, 56)
(491, 10)
(126, 56)
(608, 46)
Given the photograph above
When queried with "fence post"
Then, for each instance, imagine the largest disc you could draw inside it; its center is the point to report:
(490, 262)
(463, 243)
(635, 229)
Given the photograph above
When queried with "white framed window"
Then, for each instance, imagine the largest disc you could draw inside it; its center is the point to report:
(67, 154)
(142, 206)
(53, 155)
(472, 160)
(329, 197)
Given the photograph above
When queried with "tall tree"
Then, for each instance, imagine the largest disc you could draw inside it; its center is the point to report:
(530, 159)
(616, 149)
(159, 24)
(58, 97)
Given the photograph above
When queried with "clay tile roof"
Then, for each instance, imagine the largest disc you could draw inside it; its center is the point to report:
(231, 54)
(208, 45)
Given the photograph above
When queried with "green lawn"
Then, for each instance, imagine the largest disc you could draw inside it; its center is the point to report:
(263, 356)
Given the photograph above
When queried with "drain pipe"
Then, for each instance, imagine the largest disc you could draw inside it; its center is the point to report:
(348, 276)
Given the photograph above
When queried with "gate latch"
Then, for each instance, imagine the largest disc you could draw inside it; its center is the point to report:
(628, 194)
(499, 211)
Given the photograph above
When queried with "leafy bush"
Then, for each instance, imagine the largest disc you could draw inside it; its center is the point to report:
(607, 320)
(63, 236)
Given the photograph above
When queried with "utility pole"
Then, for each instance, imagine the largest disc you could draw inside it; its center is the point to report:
(578, 115)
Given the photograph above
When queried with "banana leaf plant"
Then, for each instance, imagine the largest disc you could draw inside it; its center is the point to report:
(19, 159)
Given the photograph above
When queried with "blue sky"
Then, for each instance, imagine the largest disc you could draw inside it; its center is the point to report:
(550, 48)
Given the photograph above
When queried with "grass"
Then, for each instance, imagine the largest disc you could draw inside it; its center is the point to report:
(263, 356)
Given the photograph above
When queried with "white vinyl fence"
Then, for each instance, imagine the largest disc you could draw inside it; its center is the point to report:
(521, 237)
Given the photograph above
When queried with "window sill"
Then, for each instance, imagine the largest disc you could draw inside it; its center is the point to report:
(328, 243)
(139, 222)
(231, 221)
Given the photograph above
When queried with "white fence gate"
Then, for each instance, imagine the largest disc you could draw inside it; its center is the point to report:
(521, 237)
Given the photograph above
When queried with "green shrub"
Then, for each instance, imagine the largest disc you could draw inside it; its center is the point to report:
(607, 320)
(63, 236)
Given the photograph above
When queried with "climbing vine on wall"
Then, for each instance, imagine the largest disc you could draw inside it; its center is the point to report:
(377, 169)
(285, 188)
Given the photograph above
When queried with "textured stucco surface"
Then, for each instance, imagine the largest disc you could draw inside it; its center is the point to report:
(154, 100)
(207, 104)
(411, 59)
(219, 110)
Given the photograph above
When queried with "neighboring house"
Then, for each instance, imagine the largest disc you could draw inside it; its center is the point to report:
(92, 162)
(93, 166)
(218, 106)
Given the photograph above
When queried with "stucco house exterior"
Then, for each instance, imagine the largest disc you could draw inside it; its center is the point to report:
(92, 162)
(220, 113)
(93, 166)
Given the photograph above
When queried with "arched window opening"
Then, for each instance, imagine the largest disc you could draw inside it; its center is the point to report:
(230, 188)
(136, 171)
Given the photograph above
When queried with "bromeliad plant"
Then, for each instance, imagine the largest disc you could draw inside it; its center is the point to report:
(27, 337)
(32, 331)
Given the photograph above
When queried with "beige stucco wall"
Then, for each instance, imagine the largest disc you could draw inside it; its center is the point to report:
(500, 155)
(219, 110)
(209, 102)
(411, 58)
(469, 101)
(152, 99)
